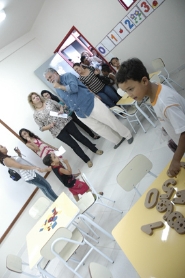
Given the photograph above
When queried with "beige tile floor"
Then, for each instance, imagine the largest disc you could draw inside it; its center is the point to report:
(103, 176)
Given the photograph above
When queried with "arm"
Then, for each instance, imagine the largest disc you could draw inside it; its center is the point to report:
(175, 164)
(176, 118)
(67, 171)
(72, 84)
(41, 124)
(9, 162)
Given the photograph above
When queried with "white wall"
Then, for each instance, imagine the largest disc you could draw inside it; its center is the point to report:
(160, 35)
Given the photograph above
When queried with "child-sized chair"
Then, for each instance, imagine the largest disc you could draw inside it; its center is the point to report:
(63, 244)
(15, 264)
(134, 172)
(99, 271)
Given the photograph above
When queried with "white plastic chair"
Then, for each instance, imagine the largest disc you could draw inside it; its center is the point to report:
(63, 244)
(99, 271)
(15, 264)
(98, 196)
(134, 172)
(39, 207)
(158, 64)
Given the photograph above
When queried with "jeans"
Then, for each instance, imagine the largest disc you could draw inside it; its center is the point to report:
(41, 183)
(108, 96)
(66, 136)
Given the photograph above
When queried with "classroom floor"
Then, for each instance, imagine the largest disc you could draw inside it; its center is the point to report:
(103, 175)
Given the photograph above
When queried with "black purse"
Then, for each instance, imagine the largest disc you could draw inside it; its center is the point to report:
(104, 79)
(14, 175)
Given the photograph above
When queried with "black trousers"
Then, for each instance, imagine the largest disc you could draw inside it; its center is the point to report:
(82, 125)
(66, 136)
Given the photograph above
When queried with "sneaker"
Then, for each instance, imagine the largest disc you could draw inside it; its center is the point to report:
(116, 146)
(99, 152)
(89, 163)
(130, 140)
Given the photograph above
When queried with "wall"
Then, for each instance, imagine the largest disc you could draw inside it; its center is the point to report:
(160, 35)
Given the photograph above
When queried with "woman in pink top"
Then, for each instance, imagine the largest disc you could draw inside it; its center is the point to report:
(33, 142)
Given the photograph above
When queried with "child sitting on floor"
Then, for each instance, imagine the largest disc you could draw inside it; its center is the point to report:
(65, 175)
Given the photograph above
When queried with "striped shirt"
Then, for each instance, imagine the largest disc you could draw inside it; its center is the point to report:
(93, 83)
(26, 175)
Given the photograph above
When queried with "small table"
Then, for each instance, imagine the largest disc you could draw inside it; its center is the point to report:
(60, 214)
(162, 254)
(126, 100)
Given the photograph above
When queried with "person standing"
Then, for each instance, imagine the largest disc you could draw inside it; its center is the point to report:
(27, 171)
(62, 128)
(88, 108)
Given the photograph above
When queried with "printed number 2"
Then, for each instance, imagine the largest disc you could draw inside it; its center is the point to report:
(144, 5)
(130, 25)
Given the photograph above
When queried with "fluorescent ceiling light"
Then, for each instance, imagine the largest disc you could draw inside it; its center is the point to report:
(2, 15)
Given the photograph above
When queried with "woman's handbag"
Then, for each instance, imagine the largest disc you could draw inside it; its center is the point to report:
(14, 175)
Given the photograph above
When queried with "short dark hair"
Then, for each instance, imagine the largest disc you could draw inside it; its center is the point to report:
(47, 160)
(113, 59)
(76, 64)
(131, 69)
(53, 97)
(106, 68)
(83, 58)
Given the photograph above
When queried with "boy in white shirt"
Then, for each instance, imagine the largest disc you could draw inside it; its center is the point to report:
(169, 106)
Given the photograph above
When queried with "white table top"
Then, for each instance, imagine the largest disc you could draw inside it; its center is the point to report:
(60, 214)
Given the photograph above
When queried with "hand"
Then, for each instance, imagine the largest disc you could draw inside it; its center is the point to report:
(61, 111)
(56, 85)
(97, 71)
(40, 170)
(51, 125)
(16, 149)
(65, 160)
(174, 169)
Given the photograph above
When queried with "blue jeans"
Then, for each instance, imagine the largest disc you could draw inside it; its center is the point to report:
(41, 183)
(108, 96)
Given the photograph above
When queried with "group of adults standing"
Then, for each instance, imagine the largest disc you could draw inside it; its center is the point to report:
(82, 107)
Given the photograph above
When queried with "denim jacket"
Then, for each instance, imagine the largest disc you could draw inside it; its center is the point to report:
(76, 96)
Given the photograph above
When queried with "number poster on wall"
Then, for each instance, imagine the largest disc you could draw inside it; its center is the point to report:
(129, 23)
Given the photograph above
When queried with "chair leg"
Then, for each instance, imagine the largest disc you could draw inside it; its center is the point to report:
(101, 203)
(95, 225)
(137, 191)
(85, 234)
(175, 83)
(97, 250)
(150, 110)
(154, 175)
(140, 124)
(44, 272)
(89, 214)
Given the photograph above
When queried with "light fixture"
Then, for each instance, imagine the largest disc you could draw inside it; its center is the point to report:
(2, 15)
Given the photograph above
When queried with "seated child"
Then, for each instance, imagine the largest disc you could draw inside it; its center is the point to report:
(65, 175)
(169, 106)
(115, 63)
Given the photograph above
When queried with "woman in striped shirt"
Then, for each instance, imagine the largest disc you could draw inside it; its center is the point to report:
(88, 76)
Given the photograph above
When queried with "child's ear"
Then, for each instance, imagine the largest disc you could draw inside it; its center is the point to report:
(145, 80)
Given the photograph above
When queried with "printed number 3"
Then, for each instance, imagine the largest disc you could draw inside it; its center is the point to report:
(144, 5)
(130, 25)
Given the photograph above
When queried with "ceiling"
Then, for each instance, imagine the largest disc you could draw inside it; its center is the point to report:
(20, 17)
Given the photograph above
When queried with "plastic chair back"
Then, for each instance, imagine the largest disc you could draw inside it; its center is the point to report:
(158, 64)
(133, 172)
(38, 209)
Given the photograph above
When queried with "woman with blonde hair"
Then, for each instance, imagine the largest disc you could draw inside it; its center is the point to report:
(60, 127)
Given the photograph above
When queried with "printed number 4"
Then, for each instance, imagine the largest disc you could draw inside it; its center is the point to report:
(130, 25)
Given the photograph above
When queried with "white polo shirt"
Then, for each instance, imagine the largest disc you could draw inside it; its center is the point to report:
(169, 107)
